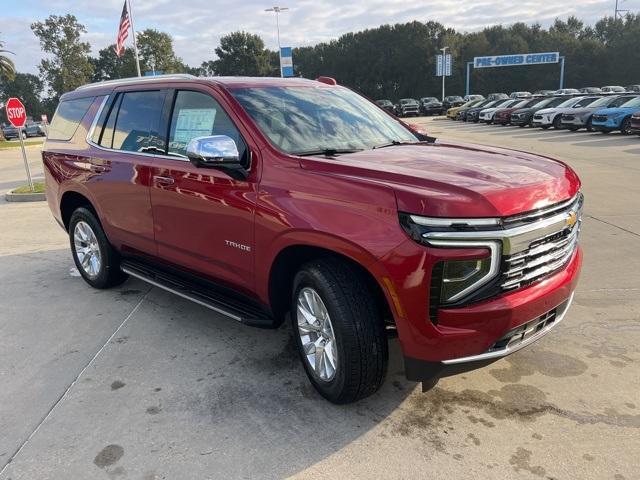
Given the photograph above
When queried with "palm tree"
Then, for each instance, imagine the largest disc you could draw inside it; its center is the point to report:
(7, 68)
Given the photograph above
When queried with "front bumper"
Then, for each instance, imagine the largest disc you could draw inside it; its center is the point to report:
(608, 126)
(520, 121)
(577, 122)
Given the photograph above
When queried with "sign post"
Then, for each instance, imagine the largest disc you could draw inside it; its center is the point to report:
(443, 67)
(17, 116)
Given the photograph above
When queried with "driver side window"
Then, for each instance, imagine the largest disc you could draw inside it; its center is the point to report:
(196, 114)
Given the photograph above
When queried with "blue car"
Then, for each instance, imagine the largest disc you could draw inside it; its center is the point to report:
(618, 118)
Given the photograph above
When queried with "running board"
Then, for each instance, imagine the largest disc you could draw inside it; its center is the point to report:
(216, 299)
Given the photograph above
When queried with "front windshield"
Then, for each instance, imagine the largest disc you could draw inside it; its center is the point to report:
(302, 119)
(601, 102)
(635, 102)
(567, 103)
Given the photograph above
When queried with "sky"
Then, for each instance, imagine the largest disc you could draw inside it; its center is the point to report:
(197, 25)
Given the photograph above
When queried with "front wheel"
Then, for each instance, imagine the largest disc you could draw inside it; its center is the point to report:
(590, 125)
(339, 330)
(625, 128)
(96, 260)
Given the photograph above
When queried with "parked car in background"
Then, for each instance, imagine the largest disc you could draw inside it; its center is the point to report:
(613, 89)
(616, 118)
(352, 231)
(543, 93)
(454, 112)
(502, 116)
(632, 88)
(34, 129)
(386, 105)
(567, 91)
(524, 116)
(10, 132)
(452, 101)
(635, 123)
(582, 117)
(520, 95)
(552, 116)
(462, 114)
(591, 90)
(486, 114)
(497, 96)
(430, 106)
(468, 98)
(473, 114)
(408, 107)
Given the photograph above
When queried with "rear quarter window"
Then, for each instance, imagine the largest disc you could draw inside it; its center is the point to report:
(67, 118)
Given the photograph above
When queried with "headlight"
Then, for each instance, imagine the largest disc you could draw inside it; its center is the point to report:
(454, 280)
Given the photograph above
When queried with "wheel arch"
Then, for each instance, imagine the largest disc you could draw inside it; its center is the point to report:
(290, 259)
(70, 201)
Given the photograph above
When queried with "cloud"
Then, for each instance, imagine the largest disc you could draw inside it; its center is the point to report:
(197, 25)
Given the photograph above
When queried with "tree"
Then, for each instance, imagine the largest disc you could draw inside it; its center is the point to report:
(26, 87)
(69, 65)
(240, 53)
(109, 66)
(156, 52)
(7, 68)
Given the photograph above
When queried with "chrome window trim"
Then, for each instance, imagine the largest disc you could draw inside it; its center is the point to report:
(94, 124)
(494, 268)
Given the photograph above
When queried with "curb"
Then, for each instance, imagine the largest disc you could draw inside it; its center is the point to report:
(25, 197)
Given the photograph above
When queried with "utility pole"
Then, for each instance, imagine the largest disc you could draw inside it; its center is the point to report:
(277, 11)
(618, 11)
(444, 68)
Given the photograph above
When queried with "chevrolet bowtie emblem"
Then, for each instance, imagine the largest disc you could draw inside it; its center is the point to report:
(571, 220)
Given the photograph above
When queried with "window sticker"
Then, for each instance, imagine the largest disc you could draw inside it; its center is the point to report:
(192, 123)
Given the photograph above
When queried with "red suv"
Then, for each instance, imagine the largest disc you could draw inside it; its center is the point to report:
(265, 199)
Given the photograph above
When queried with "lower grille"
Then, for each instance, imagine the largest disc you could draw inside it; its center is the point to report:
(568, 117)
(525, 331)
(599, 118)
(537, 117)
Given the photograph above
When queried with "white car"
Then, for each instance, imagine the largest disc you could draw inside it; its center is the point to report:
(567, 91)
(548, 117)
(487, 114)
(613, 89)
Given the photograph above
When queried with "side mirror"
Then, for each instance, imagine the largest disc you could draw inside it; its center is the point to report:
(214, 151)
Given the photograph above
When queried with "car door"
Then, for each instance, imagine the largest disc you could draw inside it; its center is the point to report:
(203, 217)
(124, 139)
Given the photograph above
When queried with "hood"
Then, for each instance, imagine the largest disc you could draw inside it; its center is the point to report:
(457, 180)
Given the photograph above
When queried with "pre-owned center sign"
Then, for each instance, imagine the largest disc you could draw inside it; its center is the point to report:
(517, 59)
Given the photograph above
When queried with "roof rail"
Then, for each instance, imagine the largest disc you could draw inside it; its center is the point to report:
(130, 80)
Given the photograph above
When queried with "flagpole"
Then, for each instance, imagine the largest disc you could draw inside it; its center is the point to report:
(135, 43)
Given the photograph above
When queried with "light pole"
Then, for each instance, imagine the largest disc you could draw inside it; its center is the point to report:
(277, 11)
(444, 67)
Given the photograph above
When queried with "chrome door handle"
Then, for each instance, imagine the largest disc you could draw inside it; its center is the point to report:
(97, 168)
(163, 180)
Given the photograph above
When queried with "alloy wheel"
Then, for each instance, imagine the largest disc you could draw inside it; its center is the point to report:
(316, 334)
(87, 249)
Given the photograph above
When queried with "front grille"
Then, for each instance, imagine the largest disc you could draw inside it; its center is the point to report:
(537, 117)
(568, 117)
(545, 255)
(599, 118)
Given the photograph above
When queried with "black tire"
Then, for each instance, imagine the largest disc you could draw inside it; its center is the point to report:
(574, 129)
(358, 328)
(625, 128)
(557, 122)
(545, 127)
(109, 273)
(590, 125)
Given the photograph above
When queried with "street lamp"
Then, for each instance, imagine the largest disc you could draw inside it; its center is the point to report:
(444, 68)
(277, 11)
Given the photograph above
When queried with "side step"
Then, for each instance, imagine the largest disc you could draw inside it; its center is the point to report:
(204, 293)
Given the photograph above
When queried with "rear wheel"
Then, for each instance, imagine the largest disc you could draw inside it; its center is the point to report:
(339, 330)
(96, 260)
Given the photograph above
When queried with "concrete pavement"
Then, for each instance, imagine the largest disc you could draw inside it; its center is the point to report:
(135, 383)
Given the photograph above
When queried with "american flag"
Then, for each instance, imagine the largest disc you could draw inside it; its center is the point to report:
(123, 31)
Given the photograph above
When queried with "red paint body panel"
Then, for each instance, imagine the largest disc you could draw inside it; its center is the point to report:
(348, 205)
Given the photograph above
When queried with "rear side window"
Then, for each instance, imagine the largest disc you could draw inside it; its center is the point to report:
(137, 122)
(67, 118)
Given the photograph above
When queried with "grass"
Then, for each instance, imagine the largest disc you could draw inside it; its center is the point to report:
(16, 144)
(38, 187)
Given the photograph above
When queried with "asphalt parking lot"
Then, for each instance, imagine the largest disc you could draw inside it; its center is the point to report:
(135, 383)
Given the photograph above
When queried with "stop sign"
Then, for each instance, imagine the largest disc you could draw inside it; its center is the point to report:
(16, 113)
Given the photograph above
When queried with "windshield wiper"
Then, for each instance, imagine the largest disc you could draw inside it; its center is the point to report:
(327, 152)
(392, 144)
